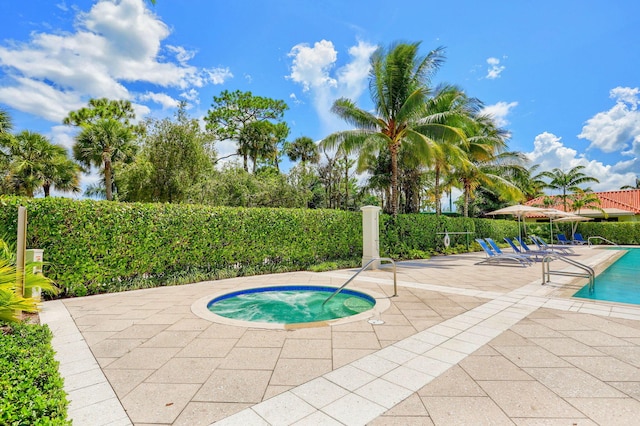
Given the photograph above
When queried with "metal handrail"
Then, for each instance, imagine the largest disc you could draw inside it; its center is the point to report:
(601, 238)
(395, 284)
(546, 271)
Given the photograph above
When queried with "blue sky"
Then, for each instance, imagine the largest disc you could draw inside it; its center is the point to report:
(562, 76)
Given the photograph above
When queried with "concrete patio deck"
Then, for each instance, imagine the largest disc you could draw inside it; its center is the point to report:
(461, 344)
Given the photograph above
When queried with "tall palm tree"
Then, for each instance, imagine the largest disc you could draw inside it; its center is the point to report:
(398, 85)
(450, 106)
(567, 182)
(490, 165)
(102, 144)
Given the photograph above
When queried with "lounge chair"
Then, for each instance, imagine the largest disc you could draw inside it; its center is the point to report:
(562, 239)
(525, 250)
(542, 245)
(577, 239)
(493, 257)
(499, 251)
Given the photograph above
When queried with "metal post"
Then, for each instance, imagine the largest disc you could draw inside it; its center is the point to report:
(21, 252)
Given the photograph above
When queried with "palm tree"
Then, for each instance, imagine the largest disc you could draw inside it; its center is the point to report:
(398, 86)
(529, 182)
(567, 181)
(103, 143)
(637, 186)
(450, 106)
(5, 123)
(492, 166)
(35, 162)
(303, 149)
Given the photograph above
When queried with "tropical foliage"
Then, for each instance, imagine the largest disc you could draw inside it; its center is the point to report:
(416, 145)
(567, 182)
(10, 301)
(37, 164)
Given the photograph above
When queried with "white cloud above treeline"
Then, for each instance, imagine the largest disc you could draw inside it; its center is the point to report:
(314, 68)
(112, 45)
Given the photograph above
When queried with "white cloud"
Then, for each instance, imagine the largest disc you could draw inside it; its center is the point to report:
(495, 69)
(312, 66)
(114, 43)
(618, 129)
(163, 99)
(549, 152)
(63, 136)
(499, 112)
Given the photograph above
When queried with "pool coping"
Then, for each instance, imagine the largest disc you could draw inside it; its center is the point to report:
(199, 308)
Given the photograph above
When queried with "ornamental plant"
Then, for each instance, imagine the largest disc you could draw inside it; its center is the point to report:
(10, 302)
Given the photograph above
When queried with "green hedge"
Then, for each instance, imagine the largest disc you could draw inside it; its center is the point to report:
(30, 385)
(94, 246)
(99, 246)
(619, 232)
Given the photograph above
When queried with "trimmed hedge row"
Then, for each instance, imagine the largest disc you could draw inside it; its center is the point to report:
(91, 246)
(98, 246)
(622, 233)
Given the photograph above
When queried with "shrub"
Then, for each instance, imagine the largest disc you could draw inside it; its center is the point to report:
(30, 385)
(98, 246)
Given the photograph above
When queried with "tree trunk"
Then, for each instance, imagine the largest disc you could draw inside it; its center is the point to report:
(346, 182)
(467, 200)
(436, 190)
(245, 162)
(47, 188)
(107, 179)
(393, 149)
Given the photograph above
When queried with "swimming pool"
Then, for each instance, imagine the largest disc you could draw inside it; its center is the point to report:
(620, 282)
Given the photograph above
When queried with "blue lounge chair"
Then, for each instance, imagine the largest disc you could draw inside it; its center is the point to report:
(577, 239)
(525, 250)
(562, 239)
(542, 245)
(493, 257)
(499, 251)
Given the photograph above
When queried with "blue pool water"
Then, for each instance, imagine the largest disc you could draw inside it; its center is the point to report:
(620, 282)
(290, 304)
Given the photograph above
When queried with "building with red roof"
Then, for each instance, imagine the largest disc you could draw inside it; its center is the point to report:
(614, 206)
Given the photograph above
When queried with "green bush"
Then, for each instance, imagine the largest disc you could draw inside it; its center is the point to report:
(618, 232)
(30, 385)
(98, 246)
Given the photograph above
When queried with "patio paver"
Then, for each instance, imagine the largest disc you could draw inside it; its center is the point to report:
(462, 343)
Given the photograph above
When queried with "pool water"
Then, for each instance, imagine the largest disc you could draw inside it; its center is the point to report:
(290, 304)
(620, 282)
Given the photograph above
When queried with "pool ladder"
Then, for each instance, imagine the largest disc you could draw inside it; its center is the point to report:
(588, 271)
(381, 259)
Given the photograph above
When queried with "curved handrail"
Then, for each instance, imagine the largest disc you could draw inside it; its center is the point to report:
(546, 271)
(395, 285)
(601, 238)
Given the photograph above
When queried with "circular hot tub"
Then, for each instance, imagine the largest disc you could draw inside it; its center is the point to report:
(288, 306)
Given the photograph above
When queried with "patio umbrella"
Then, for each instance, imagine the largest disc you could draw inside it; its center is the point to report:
(574, 219)
(555, 214)
(519, 211)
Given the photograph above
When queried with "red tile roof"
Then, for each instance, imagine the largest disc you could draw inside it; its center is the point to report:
(628, 200)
